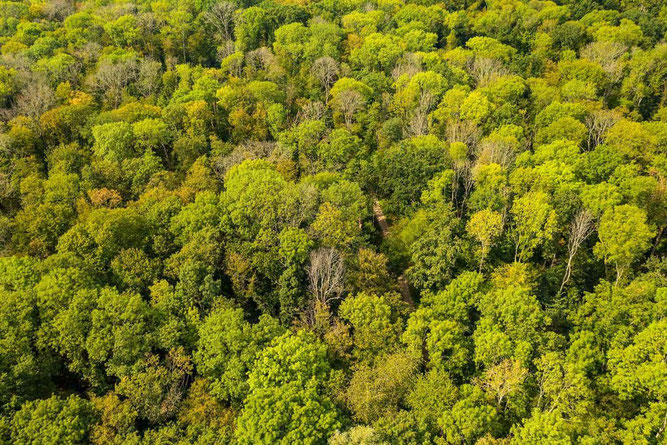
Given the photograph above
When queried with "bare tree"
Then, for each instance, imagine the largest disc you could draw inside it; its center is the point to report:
(260, 59)
(150, 74)
(463, 131)
(221, 18)
(35, 99)
(493, 151)
(58, 10)
(609, 56)
(409, 65)
(250, 149)
(111, 78)
(418, 124)
(116, 10)
(326, 274)
(311, 110)
(348, 102)
(150, 24)
(485, 70)
(598, 123)
(88, 53)
(580, 229)
(325, 69)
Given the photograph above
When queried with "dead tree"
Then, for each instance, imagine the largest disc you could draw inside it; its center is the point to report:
(150, 76)
(326, 275)
(580, 229)
(465, 131)
(325, 69)
(485, 70)
(348, 102)
(418, 124)
(221, 18)
(112, 78)
(598, 123)
(609, 55)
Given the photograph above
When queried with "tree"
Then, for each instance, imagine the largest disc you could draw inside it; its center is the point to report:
(133, 269)
(114, 141)
(469, 418)
(534, 223)
(637, 370)
(437, 253)
(504, 380)
(371, 273)
(113, 75)
(221, 17)
(377, 52)
(120, 326)
(117, 419)
(53, 421)
(599, 122)
(341, 151)
(326, 274)
(358, 435)
(252, 197)
(439, 328)
(511, 323)
(227, 349)
(377, 391)
(580, 229)
(432, 394)
(325, 69)
(404, 169)
(375, 321)
(485, 226)
(624, 236)
(290, 221)
(543, 427)
(155, 389)
(287, 398)
(335, 229)
(152, 134)
(417, 99)
(348, 102)
(24, 371)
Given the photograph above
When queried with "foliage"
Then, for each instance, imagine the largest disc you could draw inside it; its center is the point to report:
(333, 221)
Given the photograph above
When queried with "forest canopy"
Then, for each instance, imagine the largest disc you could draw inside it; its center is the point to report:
(338, 222)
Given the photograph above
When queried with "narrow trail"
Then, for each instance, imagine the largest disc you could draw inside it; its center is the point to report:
(403, 285)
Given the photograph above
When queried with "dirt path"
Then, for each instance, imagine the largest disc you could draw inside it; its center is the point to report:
(403, 285)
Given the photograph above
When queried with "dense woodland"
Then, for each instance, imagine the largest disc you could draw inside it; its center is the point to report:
(333, 222)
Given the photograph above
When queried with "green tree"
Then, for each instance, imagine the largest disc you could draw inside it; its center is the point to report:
(377, 391)
(486, 226)
(375, 321)
(624, 236)
(287, 400)
(439, 328)
(469, 418)
(534, 224)
(543, 427)
(227, 349)
(404, 169)
(53, 421)
(114, 141)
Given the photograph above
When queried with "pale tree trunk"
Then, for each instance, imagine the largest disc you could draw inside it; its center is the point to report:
(580, 229)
